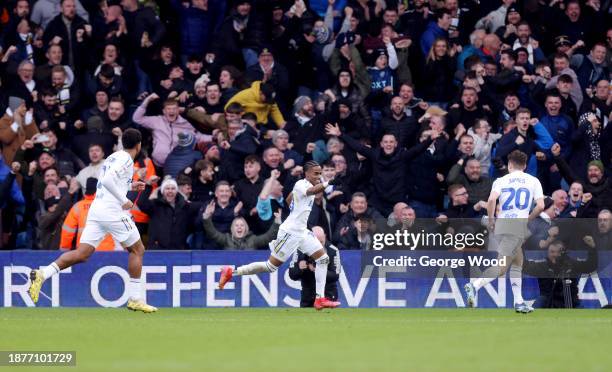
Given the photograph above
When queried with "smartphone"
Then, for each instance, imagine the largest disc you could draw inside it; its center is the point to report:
(42, 138)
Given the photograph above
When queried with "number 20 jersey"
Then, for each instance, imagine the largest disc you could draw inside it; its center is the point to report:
(517, 191)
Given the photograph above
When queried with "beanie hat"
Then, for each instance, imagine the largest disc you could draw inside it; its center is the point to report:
(597, 163)
(168, 182)
(300, 102)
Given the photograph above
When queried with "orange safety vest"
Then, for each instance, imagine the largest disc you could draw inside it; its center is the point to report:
(75, 223)
(140, 216)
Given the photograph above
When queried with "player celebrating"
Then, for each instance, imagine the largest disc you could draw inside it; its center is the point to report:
(293, 234)
(516, 192)
(109, 213)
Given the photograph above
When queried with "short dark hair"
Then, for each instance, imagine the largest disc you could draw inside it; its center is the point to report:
(518, 158)
(203, 164)
(454, 187)
(471, 61)
(249, 116)
(131, 138)
(329, 164)
(234, 108)
(552, 93)
(358, 194)
(561, 55)
(565, 78)
(522, 110)
(252, 159)
(107, 71)
(222, 183)
(183, 179)
(509, 53)
(117, 99)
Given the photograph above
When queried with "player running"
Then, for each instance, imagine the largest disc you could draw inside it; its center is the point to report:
(516, 192)
(293, 234)
(109, 213)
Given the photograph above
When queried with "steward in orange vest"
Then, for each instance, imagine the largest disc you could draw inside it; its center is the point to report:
(76, 218)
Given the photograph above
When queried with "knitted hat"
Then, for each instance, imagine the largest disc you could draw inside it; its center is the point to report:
(596, 163)
(186, 139)
(300, 102)
(168, 182)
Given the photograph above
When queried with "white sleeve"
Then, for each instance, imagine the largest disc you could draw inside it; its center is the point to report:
(538, 193)
(393, 61)
(496, 186)
(300, 188)
(113, 176)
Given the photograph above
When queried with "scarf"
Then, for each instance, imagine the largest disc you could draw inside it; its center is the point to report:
(27, 39)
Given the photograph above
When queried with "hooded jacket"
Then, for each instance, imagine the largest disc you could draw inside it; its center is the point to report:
(250, 99)
(165, 134)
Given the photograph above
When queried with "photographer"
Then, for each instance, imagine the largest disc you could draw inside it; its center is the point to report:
(302, 268)
(558, 275)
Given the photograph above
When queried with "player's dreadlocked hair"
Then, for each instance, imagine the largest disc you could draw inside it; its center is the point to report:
(310, 164)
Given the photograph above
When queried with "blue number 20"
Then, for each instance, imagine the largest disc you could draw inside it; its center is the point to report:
(520, 196)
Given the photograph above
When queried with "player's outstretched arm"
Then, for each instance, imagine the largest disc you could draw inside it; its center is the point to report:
(321, 186)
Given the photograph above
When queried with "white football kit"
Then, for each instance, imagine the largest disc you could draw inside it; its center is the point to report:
(517, 192)
(106, 214)
(293, 233)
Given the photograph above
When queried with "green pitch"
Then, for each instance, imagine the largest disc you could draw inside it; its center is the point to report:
(305, 340)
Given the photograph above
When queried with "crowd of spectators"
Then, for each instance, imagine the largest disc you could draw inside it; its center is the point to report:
(413, 105)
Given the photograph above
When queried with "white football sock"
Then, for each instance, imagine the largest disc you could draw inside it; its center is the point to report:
(255, 268)
(321, 275)
(135, 289)
(516, 282)
(487, 277)
(49, 271)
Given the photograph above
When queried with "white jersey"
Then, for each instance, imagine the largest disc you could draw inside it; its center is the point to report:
(114, 182)
(301, 205)
(517, 192)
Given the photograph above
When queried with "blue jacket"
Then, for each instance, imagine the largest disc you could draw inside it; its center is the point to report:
(180, 158)
(14, 191)
(432, 33)
(538, 139)
(197, 26)
(560, 129)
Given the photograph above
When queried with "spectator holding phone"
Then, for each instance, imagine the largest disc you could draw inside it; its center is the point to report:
(16, 126)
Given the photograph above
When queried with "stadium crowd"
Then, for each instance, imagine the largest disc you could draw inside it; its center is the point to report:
(414, 105)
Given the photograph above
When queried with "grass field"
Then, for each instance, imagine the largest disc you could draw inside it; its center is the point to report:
(305, 340)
